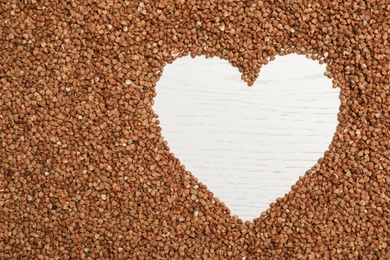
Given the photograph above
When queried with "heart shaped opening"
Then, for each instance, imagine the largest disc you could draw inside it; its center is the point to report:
(248, 145)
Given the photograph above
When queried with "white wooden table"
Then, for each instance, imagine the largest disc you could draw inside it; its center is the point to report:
(249, 145)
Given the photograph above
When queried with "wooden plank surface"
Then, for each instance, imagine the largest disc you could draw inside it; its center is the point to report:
(249, 145)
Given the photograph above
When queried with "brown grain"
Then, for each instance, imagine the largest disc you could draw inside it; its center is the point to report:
(86, 174)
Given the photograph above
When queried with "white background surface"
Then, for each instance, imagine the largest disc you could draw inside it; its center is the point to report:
(249, 145)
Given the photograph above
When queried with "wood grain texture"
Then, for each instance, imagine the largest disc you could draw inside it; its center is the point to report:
(249, 145)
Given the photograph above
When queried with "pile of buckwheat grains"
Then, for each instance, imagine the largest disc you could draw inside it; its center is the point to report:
(86, 174)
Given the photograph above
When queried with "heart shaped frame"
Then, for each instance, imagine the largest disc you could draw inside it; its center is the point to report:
(85, 172)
